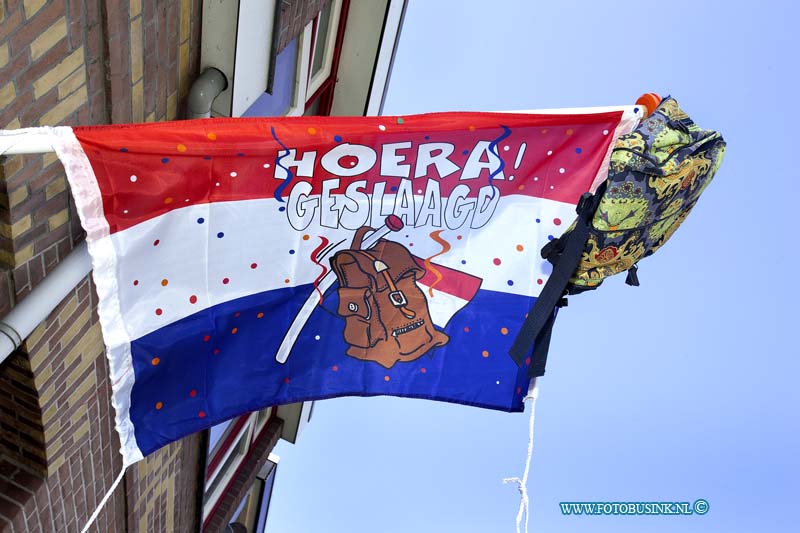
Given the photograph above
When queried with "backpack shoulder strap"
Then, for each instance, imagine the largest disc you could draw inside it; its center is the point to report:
(535, 331)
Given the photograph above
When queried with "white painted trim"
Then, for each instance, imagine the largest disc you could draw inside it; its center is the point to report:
(37, 141)
(245, 434)
(25, 141)
(298, 106)
(316, 81)
(579, 110)
(260, 427)
(383, 66)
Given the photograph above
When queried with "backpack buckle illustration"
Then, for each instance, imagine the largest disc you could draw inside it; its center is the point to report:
(398, 299)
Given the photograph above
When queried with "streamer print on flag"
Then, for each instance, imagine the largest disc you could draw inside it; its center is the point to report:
(244, 263)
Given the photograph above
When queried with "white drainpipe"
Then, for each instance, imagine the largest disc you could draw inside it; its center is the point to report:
(40, 302)
(204, 90)
(23, 318)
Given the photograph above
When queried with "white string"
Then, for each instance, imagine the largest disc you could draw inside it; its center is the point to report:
(522, 484)
(104, 500)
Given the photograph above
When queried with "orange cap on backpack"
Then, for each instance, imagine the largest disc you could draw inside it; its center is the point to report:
(649, 101)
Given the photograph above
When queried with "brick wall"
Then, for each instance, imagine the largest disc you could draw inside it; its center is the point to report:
(293, 16)
(70, 375)
(79, 62)
(158, 495)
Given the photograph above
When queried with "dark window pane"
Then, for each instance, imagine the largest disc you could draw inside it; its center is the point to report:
(323, 29)
(265, 499)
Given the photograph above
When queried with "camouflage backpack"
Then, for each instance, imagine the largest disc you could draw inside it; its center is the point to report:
(656, 175)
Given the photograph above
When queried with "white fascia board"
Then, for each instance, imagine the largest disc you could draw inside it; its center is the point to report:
(295, 416)
(237, 40)
(386, 52)
(360, 46)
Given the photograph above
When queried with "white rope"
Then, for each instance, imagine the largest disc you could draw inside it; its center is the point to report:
(522, 484)
(104, 500)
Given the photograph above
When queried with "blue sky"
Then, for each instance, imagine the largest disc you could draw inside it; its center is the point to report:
(680, 389)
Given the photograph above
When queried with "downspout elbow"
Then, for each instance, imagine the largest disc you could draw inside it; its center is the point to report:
(204, 90)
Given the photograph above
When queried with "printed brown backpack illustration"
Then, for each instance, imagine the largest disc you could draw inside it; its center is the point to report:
(386, 314)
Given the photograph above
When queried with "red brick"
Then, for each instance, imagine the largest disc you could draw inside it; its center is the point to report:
(92, 11)
(28, 237)
(94, 44)
(22, 389)
(76, 23)
(14, 492)
(30, 167)
(47, 176)
(52, 206)
(50, 58)
(11, 23)
(13, 5)
(15, 65)
(96, 460)
(83, 116)
(6, 292)
(64, 248)
(39, 107)
(22, 102)
(97, 107)
(173, 30)
(163, 46)
(8, 510)
(50, 257)
(84, 291)
(35, 27)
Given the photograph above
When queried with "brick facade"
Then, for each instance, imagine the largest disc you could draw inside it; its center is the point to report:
(293, 16)
(79, 62)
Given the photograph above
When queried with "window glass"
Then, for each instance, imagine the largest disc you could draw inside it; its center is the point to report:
(313, 109)
(323, 29)
(229, 467)
(239, 513)
(215, 434)
(261, 420)
(265, 499)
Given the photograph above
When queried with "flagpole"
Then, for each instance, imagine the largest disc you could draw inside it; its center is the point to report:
(36, 140)
(26, 141)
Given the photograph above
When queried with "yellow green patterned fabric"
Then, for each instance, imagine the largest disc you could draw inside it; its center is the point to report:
(656, 176)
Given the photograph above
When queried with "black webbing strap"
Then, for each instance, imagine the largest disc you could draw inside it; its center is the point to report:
(536, 329)
(540, 348)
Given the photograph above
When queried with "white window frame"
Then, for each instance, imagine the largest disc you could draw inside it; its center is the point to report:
(330, 42)
(298, 105)
(305, 88)
(259, 426)
(245, 434)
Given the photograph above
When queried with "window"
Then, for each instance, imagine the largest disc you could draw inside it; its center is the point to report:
(303, 69)
(228, 446)
(251, 515)
(261, 420)
(226, 471)
(224, 459)
(322, 52)
(215, 434)
(281, 100)
(266, 483)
